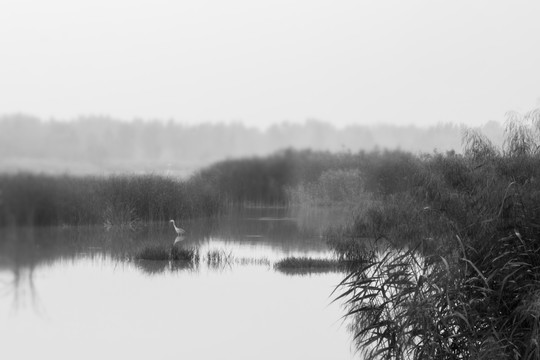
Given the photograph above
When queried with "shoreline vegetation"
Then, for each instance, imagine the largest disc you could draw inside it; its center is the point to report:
(443, 248)
(192, 257)
(129, 201)
(452, 268)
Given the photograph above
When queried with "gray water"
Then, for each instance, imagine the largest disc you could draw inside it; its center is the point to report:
(70, 293)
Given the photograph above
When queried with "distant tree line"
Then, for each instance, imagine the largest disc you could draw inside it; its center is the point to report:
(94, 145)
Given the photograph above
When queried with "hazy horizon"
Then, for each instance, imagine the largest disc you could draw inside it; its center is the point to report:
(261, 127)
(103, 145)
(351, 62)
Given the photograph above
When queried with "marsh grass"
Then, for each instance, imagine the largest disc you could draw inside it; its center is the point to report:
(165, 253)
(459, 274)
(293, 265)
(121, 217)
(116, 202)
(467, 305)
(178, 253)
(218, 258)
(130, 201)
(343, 186)
(154, 253)
(395, 307)
(345, 246)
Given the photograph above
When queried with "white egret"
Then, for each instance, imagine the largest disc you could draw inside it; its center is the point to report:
(178, 230)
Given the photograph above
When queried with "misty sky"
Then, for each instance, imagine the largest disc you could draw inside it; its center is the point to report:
(261, 62)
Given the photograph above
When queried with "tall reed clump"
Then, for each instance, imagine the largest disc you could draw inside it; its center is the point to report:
(265, 180)
(459, 276)
(332, 187)
(125, 201)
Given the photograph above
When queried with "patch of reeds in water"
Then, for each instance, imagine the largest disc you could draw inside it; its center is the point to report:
(306, 265)
(163, 253)
(156, 259)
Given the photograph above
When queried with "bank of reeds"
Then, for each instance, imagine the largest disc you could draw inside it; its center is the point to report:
(129, 201)
(293, 176)
(458, 276)
(116, 201)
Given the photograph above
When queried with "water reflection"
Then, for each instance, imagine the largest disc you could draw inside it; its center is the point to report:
(243, 237)
(179, 239)
(152, 267)
(247, 233)
(231, 303)
(17, 268)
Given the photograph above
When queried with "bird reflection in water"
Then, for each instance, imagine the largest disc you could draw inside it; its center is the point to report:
(178, 240)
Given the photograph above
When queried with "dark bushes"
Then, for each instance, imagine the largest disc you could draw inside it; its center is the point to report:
(265, 180)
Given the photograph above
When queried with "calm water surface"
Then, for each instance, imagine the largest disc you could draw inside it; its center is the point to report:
(75, 294)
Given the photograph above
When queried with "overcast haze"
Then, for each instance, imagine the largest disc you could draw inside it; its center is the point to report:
(261, 62)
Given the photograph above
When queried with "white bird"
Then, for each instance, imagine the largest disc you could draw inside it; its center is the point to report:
(178, 230)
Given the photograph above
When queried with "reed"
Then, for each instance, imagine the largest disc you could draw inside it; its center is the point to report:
(295, 265)
(184, 254)
(454, 271)
(218, 258)
(117, 202)
(154, 253)
(164, 253)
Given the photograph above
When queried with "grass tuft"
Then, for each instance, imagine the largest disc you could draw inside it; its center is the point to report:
(294, 265)
(184, 254)
(163, 253)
